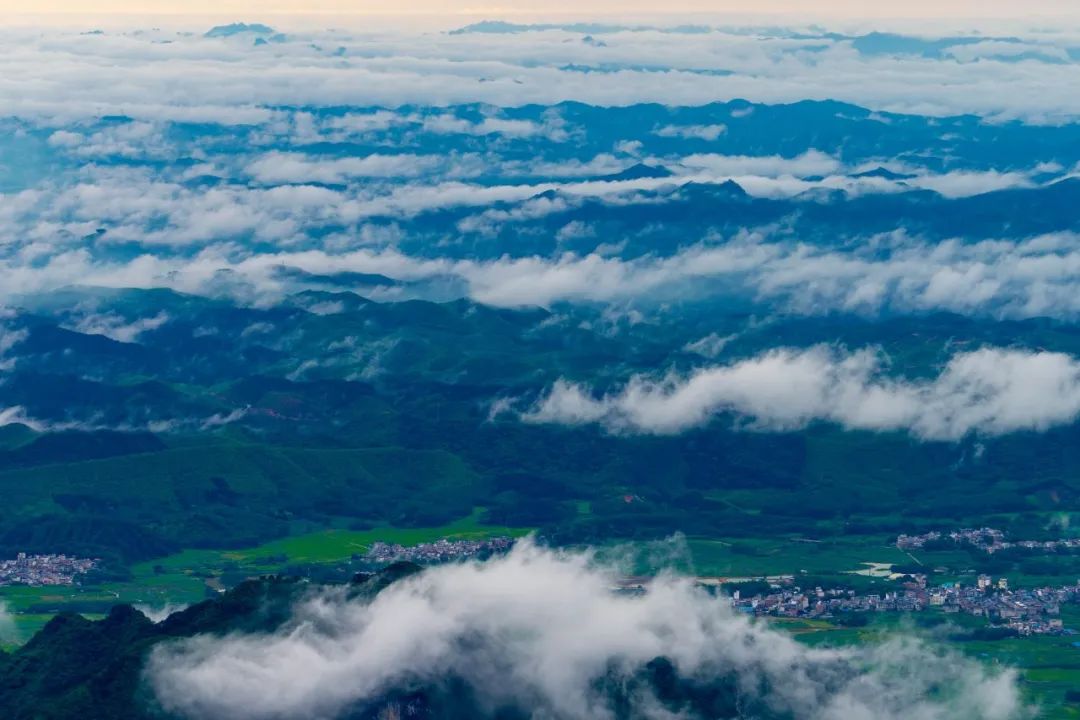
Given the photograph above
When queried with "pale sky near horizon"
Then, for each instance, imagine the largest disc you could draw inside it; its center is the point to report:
(848, 8)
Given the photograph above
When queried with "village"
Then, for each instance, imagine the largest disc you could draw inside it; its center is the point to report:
(986, 539)
(43, 570)
(1025, 611)
(440, 551)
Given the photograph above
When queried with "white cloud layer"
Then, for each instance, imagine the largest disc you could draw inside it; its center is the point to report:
(278, 167)
(1032, 277)
(988, 392)
(164, 74)
(538, 629)
(1026, 278)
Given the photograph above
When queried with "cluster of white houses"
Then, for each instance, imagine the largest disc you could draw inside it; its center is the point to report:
(39, 570)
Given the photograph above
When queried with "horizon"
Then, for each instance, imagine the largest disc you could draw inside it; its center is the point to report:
(848, 8)
(788, 10)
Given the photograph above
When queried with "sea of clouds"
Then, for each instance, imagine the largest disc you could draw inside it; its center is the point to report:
(141, 203)
(145, 202)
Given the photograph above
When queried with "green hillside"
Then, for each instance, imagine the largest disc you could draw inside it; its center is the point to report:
(228, 495)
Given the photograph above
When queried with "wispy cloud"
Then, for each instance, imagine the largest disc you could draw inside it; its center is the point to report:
(118, 328)
(9, 338)
(9, 633)
(18, 415)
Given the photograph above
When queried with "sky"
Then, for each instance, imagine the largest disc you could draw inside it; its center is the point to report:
(852, 8)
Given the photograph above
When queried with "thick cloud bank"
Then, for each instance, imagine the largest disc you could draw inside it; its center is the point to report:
(988, 391)
(542, 632)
